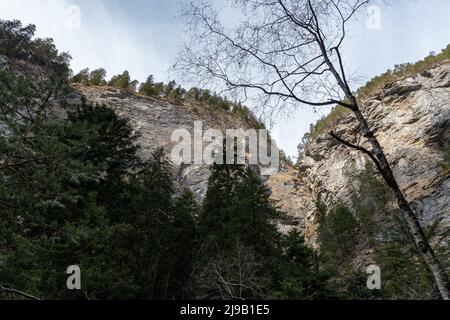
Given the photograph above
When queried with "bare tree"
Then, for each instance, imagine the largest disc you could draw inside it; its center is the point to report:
(236, 276)
(289, 53)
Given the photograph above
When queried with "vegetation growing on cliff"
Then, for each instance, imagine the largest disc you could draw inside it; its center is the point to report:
(377, 83)
(150, 88)
(445, 163)
(76, 193)
(404, 272)
(73, 191)
(16, 41)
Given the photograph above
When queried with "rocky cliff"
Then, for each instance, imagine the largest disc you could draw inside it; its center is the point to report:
(411, 118)
(155, 120)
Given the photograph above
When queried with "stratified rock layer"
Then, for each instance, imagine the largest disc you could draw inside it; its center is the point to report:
(411, 119)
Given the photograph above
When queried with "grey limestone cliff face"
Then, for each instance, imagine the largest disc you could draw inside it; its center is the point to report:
(411, 119)
(155, 120)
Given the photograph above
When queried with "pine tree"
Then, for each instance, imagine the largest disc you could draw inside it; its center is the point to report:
(121, 81)
(237, 207)
(97, 77)
(148, 87)
(237, 216)
(299, 275)
(82, 77)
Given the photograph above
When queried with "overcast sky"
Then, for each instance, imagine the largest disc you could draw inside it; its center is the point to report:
(143, 36)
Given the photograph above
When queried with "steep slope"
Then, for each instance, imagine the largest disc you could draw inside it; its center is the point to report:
(156, 119)
(411, 118)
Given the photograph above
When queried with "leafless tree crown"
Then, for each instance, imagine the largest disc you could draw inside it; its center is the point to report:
(282, 50)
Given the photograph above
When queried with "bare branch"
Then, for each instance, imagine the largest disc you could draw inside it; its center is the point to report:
(14, 291)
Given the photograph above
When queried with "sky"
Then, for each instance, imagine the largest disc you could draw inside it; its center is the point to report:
(144, 37)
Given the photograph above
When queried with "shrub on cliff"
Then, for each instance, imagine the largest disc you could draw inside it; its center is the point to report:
(16, 41)
(445, 163)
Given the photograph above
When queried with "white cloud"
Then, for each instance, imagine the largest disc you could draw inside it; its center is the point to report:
(111, 37)
(103, 40)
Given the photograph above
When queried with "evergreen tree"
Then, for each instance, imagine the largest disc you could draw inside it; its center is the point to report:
(164, 232)
(97, 77)
(236, 219)
(237, 207)
(148, 87)
(169, 88)
(121, 81)
(55, 219)
(239, 243)
(82, 77)
(300, 277)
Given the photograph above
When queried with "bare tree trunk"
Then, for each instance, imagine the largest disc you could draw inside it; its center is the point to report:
(414, 226)
(288, 54)
(379, 158)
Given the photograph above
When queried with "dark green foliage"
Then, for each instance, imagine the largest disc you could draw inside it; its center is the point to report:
(125, 234)
(55, 219)
(379, 82)
(371, 197)
(15, 39)
(404, 70)
(17, 42)
(236, 228)
(97, 77)
(163, 232)
(81, 77)
(337, 232)
(404, 271)
(150, 88)
(300, 277)
(325, 123)
(244, 113)
(113, 141)
(79, 195)
(445, 163)
(404, 274)
(93, 78)
(121, 81)
(237, 236)
(237, 207)
(352, 286)
(73, 191)
(170, 90)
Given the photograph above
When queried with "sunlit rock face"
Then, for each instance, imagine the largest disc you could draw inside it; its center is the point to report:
(155, 120)
(411, 119)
